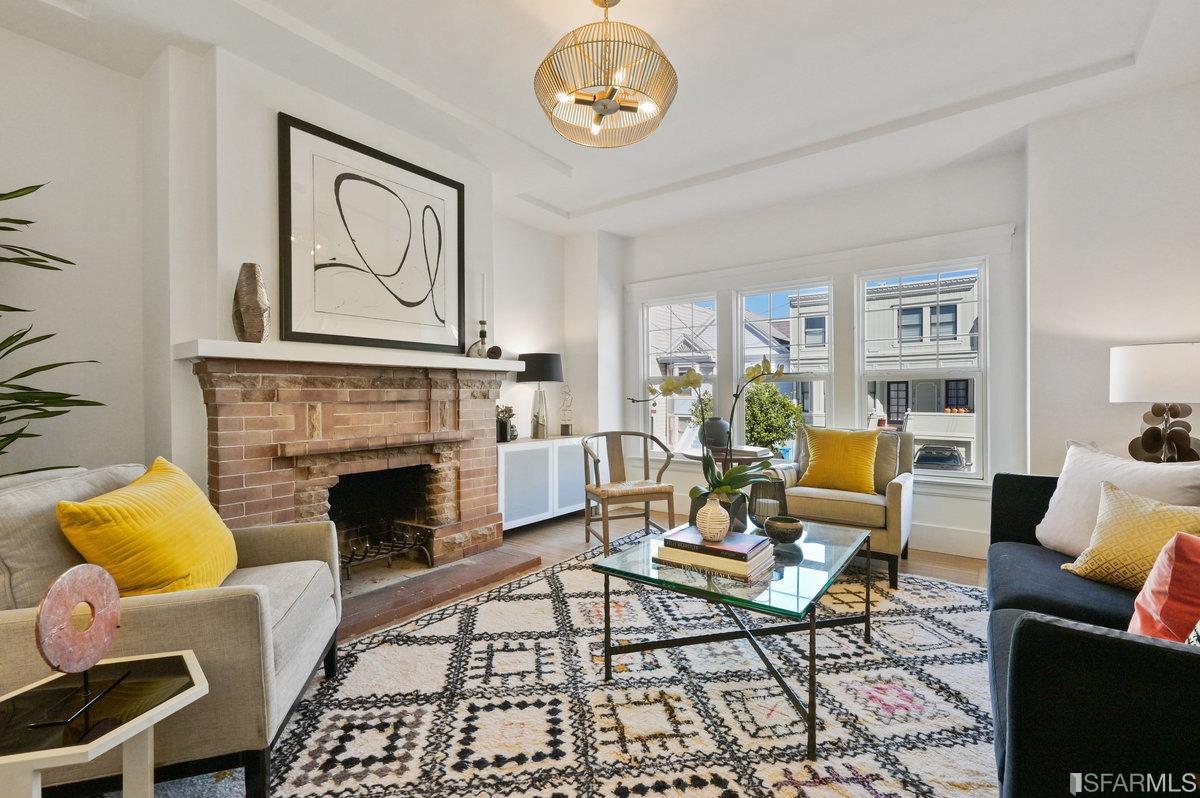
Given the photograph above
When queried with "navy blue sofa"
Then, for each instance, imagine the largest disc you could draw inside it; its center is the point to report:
(1072, 692)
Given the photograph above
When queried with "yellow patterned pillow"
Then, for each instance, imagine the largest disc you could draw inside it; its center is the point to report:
(1130, 532)
(840, 459)
(157, 534)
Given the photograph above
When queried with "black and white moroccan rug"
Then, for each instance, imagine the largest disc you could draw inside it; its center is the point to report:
(502, 695)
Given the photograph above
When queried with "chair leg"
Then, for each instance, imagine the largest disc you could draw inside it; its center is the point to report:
(893, 571)
(904, 552)
(646, 515)
(604, 524)
(587, 521)
(671, 510)
(257, 766)
(331, 658)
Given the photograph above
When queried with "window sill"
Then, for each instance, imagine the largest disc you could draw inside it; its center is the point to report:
(974, 489)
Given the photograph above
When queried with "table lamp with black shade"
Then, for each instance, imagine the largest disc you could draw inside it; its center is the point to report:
(540, 367)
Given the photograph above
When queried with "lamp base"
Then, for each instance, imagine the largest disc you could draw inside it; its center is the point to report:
(1167, 437)
(538, 425)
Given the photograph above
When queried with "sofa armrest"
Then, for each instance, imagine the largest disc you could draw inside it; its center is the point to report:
(899, 495)
(1085, 699)
(1019, 503)
(269, 545)
(229, 630)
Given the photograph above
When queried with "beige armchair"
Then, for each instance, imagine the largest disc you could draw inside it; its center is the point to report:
(259, 637)
(886, 513)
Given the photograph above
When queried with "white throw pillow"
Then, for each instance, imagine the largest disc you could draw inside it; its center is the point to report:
(1067, 527)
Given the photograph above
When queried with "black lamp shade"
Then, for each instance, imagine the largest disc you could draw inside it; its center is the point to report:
(541, 367)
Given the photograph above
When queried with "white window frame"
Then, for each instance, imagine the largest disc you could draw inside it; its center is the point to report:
(739, 346)
(982, 450)
(709, 381)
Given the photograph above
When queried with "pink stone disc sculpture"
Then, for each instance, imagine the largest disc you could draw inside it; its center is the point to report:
(65, 647)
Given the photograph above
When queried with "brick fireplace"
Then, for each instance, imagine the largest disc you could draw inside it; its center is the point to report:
(281, 434)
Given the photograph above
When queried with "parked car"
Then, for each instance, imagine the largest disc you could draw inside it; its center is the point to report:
(940, 457)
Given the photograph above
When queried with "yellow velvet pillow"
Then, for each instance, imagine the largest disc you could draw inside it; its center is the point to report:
(840, 459)
(157, 534)
(1130, 533)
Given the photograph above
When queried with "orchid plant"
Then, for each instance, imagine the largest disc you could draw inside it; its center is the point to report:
(728, 480)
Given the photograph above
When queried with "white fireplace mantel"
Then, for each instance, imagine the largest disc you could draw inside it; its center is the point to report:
(297, 352)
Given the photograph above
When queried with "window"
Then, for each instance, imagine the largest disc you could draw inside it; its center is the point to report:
(926, 383)
(897, 402)
(944, 321)
(912, 323)
(789, 328)
(958, 394)
(680, 336)
(814, 331)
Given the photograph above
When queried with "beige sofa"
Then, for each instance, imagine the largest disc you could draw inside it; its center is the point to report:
(258, 637)
(887, 512)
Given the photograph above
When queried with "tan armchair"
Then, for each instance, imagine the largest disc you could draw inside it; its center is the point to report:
(258, 637)
(619, 488)
(886, 513)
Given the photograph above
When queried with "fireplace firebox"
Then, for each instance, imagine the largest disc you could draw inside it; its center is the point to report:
(382, 515)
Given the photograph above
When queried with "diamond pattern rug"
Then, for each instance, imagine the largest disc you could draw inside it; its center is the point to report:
(502, 694)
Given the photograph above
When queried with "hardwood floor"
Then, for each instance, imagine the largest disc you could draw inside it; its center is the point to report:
(562, 538)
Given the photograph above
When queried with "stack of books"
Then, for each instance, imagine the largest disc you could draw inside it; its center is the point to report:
(745, 558)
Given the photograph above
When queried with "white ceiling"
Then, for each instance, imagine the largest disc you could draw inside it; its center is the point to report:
(778, 99)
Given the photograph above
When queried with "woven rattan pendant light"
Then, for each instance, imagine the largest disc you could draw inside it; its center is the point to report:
(605, 84)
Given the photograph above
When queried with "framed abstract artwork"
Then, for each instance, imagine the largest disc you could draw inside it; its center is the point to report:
(370, 246)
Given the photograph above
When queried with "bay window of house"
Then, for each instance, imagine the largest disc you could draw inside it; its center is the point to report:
(927, 380)
(788, 327)
(680, 335)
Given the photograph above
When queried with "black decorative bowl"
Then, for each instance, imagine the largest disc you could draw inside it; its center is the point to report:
(784, 528)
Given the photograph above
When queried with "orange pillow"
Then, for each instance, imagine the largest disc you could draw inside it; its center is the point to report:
(1168, 605)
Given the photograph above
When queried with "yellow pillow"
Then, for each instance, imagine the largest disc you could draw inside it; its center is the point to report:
(157, 534)
(1130, 532)
(840, 460)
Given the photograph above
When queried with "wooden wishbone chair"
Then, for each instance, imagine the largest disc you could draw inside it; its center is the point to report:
(619, 489)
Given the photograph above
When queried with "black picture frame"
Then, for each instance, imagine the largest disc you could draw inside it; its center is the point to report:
(285, 125)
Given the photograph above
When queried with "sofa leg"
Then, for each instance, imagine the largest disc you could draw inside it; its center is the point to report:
(257, 766)
(893, 571)
(904, 552)
(331, 661)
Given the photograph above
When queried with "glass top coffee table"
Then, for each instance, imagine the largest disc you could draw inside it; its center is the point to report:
(803, 573)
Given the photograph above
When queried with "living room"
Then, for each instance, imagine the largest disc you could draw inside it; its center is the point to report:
(784, 398)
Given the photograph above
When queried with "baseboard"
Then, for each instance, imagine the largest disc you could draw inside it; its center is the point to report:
(949, 540)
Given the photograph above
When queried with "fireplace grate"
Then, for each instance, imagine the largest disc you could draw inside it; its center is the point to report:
(376, 547)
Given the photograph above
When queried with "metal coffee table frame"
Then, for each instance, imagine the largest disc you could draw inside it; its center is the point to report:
(807, 709)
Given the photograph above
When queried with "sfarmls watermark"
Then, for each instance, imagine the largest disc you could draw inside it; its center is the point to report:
(1134, 783)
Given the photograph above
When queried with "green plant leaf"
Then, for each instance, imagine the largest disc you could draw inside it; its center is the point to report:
(35, 252)
(696, 492)
(9, 220)
(20, 192)
(47, 367)
(11, 309)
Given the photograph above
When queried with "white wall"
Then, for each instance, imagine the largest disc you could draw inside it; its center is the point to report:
(529, 311)
(896, 223)
(1114, 258)
(75, 124)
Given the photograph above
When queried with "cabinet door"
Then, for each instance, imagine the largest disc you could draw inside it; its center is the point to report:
(526, 477)
(568, 470)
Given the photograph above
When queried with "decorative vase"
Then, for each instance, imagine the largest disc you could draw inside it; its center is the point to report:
(251, 308)
(737, 506)
(713, 520)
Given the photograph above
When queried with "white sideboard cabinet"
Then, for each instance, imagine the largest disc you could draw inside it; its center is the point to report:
(539, 478)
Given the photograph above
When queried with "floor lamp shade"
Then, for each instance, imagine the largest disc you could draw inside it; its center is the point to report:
(1154, 373)
(540, 367)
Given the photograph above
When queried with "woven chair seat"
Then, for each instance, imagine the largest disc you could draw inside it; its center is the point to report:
(633, 487)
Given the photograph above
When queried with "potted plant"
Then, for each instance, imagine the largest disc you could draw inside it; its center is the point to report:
(727, 487)
(506, 430)
(20, 402)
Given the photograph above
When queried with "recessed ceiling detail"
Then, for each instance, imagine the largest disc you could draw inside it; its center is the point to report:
(605, 84)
